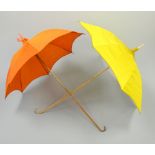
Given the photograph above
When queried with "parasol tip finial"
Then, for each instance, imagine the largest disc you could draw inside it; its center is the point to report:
(140, 46)
(21, 38)
(137, 48)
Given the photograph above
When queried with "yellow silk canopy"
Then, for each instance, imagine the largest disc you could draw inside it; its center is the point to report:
(120, 59)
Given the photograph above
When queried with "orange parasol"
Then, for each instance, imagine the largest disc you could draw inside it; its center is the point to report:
(37, 57)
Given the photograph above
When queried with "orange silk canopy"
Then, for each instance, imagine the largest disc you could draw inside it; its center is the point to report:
(49, 46)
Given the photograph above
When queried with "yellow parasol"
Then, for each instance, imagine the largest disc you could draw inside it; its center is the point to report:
(120, 59)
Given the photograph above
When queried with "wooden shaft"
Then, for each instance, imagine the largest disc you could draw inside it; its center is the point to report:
(94, 77)
(76, 101)
(51, 106)
(82, 85)
(70, 94)
(88, 116)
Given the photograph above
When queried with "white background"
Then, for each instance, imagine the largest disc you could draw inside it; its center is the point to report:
(103, 98)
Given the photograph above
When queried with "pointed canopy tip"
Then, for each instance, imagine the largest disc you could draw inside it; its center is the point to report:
(87, 25)
(7, 93)
(139, 109)
(83, 23)
(138, 105)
